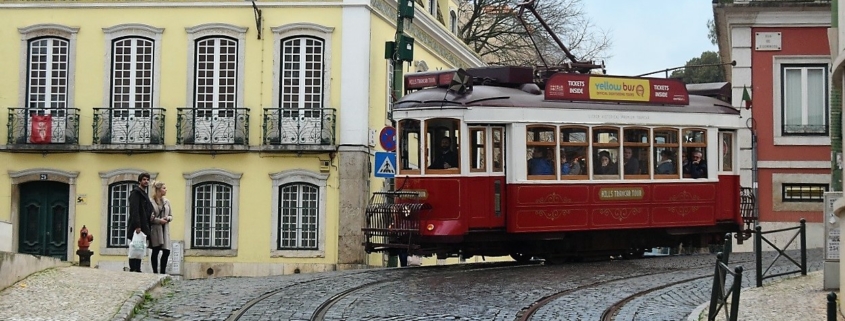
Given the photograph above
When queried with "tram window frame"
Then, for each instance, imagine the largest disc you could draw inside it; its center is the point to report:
(581, 150)
(641, 149)
(549, 146)
(405, 151)
(610, 146)
(670, 141)
(498, 149)
(726, 154)
(435, 130)
(690, 147)
(477, 149)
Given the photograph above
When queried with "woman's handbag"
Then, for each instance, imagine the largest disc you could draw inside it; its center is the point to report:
(138, 246)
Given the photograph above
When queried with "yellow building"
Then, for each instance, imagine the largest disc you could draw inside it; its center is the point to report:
(260, 117)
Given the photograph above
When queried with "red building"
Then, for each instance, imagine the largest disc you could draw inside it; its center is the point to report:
(783, 59)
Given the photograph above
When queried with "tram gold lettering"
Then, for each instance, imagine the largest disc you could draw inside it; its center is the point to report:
(626, 193)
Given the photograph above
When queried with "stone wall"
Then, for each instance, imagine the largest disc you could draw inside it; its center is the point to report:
(15, 267)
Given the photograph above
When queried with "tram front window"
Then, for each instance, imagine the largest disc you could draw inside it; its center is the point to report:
(442, 137)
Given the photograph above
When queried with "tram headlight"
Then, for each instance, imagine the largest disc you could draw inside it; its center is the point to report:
(429, 227)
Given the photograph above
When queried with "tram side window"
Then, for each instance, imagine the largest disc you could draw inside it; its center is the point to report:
(498, 150)
(666, 147)
(574, 163)
(606, 147)
(695, 153)
(442, 137)
(409, 146)
(541, 158)
(478, 149)
(727, 151)
(635, 156)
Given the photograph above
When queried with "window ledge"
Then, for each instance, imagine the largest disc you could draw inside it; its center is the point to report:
(113, 251)
(219, 253)
(298, 254)
(802, 140)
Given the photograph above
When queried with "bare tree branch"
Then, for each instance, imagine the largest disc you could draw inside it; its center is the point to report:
(491, 28)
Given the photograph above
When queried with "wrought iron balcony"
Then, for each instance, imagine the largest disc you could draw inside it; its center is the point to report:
(43, 128)
(207, 126)
(295, 126)
(126, 126)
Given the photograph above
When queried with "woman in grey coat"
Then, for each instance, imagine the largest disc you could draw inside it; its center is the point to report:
(160, 228)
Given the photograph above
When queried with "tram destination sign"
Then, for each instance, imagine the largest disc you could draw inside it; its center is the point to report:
(613, 88)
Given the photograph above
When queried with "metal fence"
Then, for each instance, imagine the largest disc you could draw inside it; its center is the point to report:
(759, 238)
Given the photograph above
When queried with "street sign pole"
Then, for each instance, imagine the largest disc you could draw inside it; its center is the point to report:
(398, 52)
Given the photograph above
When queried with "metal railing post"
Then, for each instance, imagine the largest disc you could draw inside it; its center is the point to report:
(803, 232)
(727, 248)
(831, 306)
(758, 251)
(716, 293)
(735, 289)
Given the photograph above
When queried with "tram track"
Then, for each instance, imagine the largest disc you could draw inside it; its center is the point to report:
(322, 310)
(609, 313)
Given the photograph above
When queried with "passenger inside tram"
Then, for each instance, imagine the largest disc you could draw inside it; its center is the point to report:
(666, 166)
(539, 164)
(631, 163)
(697, 167)
(605, 165)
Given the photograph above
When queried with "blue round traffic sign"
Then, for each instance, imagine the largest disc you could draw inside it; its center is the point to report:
(387, 138)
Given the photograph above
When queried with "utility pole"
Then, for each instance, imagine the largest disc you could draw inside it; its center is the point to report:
(835, 116)
(400, 50)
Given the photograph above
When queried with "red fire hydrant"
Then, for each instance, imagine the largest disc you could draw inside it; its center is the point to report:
(84, 242)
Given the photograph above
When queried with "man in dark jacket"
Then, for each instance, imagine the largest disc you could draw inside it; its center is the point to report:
(140, 209)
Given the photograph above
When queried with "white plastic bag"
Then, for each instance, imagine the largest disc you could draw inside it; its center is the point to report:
(138, 246)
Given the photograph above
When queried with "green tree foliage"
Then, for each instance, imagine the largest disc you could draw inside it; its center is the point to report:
(692, 74)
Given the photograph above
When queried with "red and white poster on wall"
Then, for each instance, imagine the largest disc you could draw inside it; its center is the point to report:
(42, 129)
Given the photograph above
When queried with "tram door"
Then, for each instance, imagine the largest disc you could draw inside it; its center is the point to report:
(486, 197)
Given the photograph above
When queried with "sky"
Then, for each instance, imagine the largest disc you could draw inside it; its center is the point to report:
(651, 35)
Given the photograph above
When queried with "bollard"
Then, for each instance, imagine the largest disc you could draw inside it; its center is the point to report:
(831, 306)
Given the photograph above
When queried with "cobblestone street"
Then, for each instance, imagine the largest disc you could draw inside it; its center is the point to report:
(489, 291)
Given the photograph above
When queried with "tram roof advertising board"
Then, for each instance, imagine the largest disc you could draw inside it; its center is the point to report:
(563, 86)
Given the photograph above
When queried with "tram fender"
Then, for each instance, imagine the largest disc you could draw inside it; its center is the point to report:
(442, 227)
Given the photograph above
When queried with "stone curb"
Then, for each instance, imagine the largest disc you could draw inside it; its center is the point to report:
(137, 298)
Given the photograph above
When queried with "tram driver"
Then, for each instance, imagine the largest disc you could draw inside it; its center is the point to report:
(446, 158)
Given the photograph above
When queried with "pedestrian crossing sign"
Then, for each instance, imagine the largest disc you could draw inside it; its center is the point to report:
(385, 164)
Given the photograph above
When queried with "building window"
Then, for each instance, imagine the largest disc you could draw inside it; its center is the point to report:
(804, 192)
(299, 216)
(48, 73)
(804, 99)
(119, 212)
(212, 213)
(298, 219)
(302, 73)
(132, 73)
(216, 73)
(212, 216)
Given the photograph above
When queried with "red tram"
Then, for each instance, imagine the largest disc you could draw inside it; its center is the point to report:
(489, 164)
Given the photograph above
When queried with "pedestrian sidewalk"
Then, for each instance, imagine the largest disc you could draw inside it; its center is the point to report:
(796, 298)
(76, 293)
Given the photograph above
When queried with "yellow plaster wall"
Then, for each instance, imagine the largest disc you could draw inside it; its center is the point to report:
(255, 206)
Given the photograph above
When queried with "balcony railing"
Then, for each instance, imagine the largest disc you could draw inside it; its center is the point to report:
(207, 126)
(129, 126)
(294, 126)
(43, 126)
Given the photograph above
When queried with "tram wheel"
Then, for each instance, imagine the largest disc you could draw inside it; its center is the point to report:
(521, 257)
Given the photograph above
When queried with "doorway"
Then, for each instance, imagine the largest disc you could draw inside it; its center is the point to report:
(43, 220)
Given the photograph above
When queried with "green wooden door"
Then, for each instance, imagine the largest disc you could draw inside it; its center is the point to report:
(43, 219)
